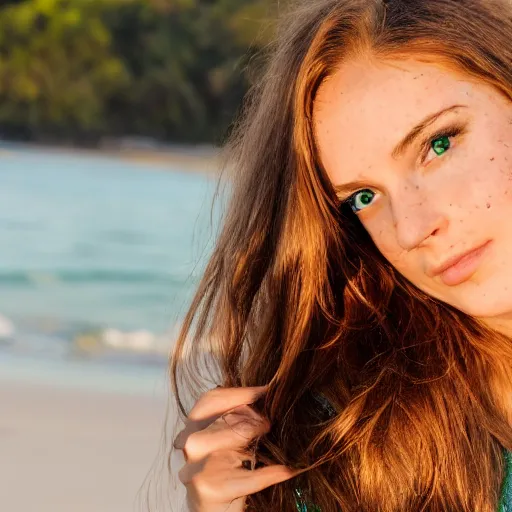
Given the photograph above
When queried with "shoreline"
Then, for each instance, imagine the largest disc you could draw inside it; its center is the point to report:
(200, 159)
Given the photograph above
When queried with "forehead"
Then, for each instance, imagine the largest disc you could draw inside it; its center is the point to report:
(366, 107)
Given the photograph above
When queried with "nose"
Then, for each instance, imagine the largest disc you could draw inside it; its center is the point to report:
(417, 216)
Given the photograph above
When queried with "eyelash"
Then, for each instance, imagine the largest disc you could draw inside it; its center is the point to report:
(426, 146)
(451, 132)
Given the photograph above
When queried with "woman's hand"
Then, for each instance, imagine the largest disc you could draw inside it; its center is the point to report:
(215, 442)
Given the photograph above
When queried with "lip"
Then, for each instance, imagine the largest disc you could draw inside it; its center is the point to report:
(461, 267)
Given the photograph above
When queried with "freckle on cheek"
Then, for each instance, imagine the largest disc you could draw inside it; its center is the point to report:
(491, 159)
(488, 205)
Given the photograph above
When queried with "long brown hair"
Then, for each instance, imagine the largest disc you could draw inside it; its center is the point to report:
(296, 294)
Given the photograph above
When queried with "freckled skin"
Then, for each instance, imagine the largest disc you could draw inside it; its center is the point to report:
(424, 213)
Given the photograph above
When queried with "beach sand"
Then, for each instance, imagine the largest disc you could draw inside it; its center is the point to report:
(75, 450)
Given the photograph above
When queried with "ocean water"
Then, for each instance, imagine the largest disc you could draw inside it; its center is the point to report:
(98, 256)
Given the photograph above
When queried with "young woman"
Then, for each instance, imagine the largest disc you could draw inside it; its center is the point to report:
(360, 293)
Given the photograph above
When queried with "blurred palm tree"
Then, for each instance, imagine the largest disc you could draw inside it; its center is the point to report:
(169, 69)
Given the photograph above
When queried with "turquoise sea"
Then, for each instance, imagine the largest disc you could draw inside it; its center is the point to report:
(98, 256)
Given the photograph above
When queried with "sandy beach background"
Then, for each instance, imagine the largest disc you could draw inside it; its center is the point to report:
(100, 252)
(77, 446)
(101, 249)
(77, 450)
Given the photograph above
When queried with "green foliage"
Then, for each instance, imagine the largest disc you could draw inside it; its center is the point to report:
(170, 69)
(57, 69)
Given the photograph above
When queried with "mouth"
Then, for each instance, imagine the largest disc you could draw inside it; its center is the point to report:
(461, 267)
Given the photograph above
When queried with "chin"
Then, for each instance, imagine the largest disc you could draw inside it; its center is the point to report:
(484, 304)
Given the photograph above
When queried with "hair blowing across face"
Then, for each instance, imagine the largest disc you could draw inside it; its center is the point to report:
(296, 295)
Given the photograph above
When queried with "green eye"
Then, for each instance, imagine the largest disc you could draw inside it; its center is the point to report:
(361, 199)
(442, 141)
(440, 144)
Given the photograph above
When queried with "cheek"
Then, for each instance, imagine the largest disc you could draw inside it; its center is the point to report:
(384, 237)
(489, 165)
(473, 189)
(406, 263)
(490, 185)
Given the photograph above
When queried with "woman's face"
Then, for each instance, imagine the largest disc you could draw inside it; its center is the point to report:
(424, 157)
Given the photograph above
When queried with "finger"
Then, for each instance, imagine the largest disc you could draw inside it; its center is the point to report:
(210, 469)
(212, 405)
(250, 482)
(220, 400)
(222, 434)
(220, 477)
(243, 419)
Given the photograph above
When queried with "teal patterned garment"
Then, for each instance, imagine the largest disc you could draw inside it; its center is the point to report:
(304, 506)
(505, 504)
(506, 492)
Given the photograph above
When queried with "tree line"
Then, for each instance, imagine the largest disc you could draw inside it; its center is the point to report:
(82, 70)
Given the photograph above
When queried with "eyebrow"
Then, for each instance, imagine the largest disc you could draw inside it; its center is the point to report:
(411, 137)
(349, 187)
(402, 146)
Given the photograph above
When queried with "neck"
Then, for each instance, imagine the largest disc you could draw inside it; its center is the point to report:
(501, 324)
